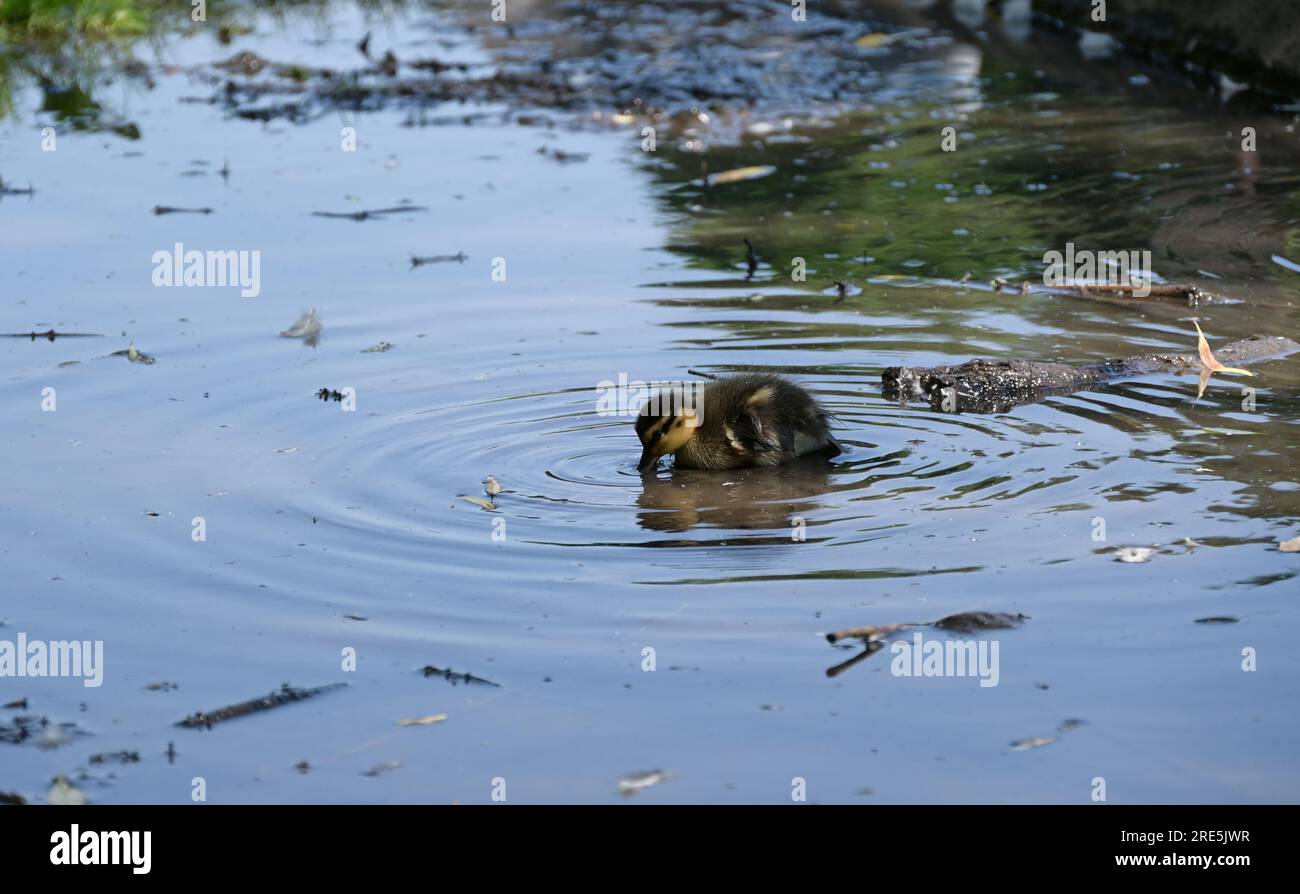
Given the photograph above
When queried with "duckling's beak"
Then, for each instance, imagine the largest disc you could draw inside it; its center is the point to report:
(649, 459)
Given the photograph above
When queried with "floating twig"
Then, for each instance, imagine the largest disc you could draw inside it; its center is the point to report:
(417, 261)
(447, 674)
(121, 757)
(366, 215)
(168, 209)
(995, 386)
(874, 638)
(7, 190)
(50, 334)
(965, 622)
(563, 157)
(286, 695)
(751, 258)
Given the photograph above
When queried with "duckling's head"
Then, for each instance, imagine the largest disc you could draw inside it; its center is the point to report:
(666, 424)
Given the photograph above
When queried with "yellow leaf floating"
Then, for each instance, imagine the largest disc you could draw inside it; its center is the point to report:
(423, 721)
(872, 41)
(736, 175)
(876, 40)
(486, 505)
(1208, 359)
(1290, 546)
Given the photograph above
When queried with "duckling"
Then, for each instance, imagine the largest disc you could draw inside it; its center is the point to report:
(735, 422)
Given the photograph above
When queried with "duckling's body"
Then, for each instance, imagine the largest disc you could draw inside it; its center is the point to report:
(736, 422)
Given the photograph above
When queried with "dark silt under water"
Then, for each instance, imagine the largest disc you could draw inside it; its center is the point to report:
(329, 530)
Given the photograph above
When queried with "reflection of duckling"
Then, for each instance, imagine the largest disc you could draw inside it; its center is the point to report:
(745, 499)
(737, 422)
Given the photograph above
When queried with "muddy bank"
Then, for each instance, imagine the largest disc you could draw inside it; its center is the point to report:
(1255, 43)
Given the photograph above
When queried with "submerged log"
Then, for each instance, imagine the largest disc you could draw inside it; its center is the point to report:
(995, 386)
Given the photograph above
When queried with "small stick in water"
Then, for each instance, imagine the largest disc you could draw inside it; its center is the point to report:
(417, 261)
(366, 215)
(447, 674)
(50, 334)
(751, 258)
(287, 694)
(167, 209)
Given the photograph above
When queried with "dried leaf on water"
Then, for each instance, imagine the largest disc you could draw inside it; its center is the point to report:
(737, 175)
(306, 326)
(64, 794)
(634, 782)
(1290, 546)
(486, 505)
(1208, 359)
(875, 40)
(382, 768)
(136, 356)
(1133, 554)
(423, 721)
(1039, 741)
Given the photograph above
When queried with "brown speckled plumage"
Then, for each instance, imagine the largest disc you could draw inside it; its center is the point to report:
(748, 420)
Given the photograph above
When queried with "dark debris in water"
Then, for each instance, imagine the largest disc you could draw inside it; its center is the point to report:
(417, 261)
(117, 757)
(168, 209)
(1218, 619)
(965, 622)
(27, 729)
(996, 386)
(330, 394)
(451, 676)
(1039, 741)
(370, 214)
(49, 335)
(7, 190)
(874, 638)
(564, 158)
(286, 695)
(576, 55)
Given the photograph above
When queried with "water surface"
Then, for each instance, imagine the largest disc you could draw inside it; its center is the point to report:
(330, 530)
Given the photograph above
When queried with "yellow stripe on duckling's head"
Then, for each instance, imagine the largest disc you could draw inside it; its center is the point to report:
(666, 424)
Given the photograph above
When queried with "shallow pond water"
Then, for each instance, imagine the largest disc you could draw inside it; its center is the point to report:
(330, 530)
